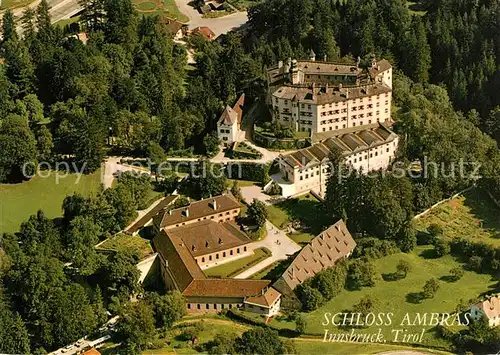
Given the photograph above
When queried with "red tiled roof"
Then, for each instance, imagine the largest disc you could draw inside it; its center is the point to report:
(208, 237)
(92, 351)
(267, 299)
(238, 107)
(225, 287)
(205, 32)
(322, 252)
(195, 210)
(153, 212)
(490, 307)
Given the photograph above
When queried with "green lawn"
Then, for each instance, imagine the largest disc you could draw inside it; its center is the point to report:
(301, 238)
(400, 296)
(240, 183)
(19, 201)
(244, 4)
(67, 21)
(164, 8)
(304, 208)
(125, 242)
(318, 347)
(236, 267)
(473, 216)
(261, 275)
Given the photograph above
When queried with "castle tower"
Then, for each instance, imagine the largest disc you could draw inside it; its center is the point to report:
(312, 55)
(294, 73)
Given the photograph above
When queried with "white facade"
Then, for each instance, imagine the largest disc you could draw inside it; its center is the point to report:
(490, 309)
(268, 311)
(312, 117)
(309, 169)
(321, 96)
(227, 133)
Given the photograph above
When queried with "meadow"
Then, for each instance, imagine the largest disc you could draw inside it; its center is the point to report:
(19, 201)
(472, 215)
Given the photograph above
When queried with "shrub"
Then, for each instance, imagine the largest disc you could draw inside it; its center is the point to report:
(442, 247)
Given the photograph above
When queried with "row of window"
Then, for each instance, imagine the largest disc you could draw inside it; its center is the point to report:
(276, 100)
(225, 131)
(211, 306)
(211, 217)
(301, 177)
(231, 252)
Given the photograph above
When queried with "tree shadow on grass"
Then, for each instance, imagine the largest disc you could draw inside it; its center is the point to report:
(428, 254)
(308, 212)
(415, 297)
(448, 278)
(393, 276)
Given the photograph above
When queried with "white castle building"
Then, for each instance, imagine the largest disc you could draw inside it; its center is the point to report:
(347, 110)
(322, 96)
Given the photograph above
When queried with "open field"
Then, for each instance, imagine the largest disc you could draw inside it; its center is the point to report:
(473, 216)
(164, 8)
(402, 296)
(125, 242)
(233, 268)
(19, 201)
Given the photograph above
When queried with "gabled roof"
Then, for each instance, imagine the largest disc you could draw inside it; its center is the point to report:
(238, 107)
(205, 32)
(153, 212)
(490, 307)
(228, 117)
(208, 236)
(225, 287)
(195, 210)
(346, 141)
(322, 252)
(266, 299)
(178, 258)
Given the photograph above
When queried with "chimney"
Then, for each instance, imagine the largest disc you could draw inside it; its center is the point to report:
(213, 204)
(340, 86)
(358, 62)
(220, 241)
(280, 64)
(193, 248)
(186, 212)
(324, 58)
(207, 244)
(170, 212)
(326, 88)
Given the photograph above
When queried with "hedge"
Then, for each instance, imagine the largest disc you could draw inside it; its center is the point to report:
(284, 143)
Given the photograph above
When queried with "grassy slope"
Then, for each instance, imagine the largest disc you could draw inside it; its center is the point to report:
(19, 201)
(396, 296)
(473, 216)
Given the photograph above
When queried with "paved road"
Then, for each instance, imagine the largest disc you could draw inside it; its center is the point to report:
(218, 25)
(111, 166)
(280, 251)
